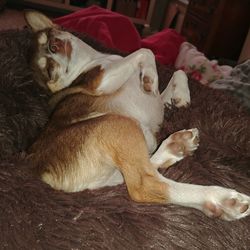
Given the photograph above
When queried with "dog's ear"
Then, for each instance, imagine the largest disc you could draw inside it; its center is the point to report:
(38, 21)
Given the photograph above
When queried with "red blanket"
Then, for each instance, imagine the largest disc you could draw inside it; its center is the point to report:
(165, 45)
(117, 31)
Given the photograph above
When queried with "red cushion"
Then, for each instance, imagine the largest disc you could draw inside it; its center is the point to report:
(113, 29)
(165, 45)
(117, 31)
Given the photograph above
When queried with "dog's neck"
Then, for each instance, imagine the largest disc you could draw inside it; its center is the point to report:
(83, 59)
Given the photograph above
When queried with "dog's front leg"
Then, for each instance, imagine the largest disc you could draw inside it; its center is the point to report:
(118, 72)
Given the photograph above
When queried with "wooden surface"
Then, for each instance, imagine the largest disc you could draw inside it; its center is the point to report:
(217, 27)
(176, 12)
(11, 19)
(65, 5)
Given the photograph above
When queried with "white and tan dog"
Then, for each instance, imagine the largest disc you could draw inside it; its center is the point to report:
(102, 131)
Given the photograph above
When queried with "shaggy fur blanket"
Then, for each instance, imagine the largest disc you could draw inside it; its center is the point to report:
(34, 216)
(238, 83)
(23, 105)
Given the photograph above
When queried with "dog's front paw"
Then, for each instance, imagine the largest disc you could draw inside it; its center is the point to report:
(149, 79)
(226, 204)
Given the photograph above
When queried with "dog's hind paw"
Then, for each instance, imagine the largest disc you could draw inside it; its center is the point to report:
(226, 204)
(176, 147)
(184, 142)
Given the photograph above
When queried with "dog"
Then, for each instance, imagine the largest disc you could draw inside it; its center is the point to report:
(107, 111)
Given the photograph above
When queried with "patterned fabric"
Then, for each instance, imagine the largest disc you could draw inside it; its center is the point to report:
(238, 82)
(200, 68)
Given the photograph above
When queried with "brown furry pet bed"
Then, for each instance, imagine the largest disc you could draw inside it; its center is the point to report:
(34, 216)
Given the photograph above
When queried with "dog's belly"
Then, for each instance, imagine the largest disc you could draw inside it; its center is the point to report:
(146, 108)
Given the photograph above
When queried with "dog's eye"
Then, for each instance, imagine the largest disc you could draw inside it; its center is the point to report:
(53, 48)
(56, 45)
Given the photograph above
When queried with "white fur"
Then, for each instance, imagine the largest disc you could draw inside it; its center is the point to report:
(177, 91)
(43, 39)
(42, 62)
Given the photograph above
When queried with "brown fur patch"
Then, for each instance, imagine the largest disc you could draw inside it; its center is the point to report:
(90, 80)
(51, 65)
(151, 190)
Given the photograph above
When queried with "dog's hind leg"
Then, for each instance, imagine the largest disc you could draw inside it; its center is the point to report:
(175, 148)
(145, 184)
(177, 91)
(129, 153)
(214, 201)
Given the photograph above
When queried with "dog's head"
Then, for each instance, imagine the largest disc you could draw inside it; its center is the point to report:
(59, 56)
